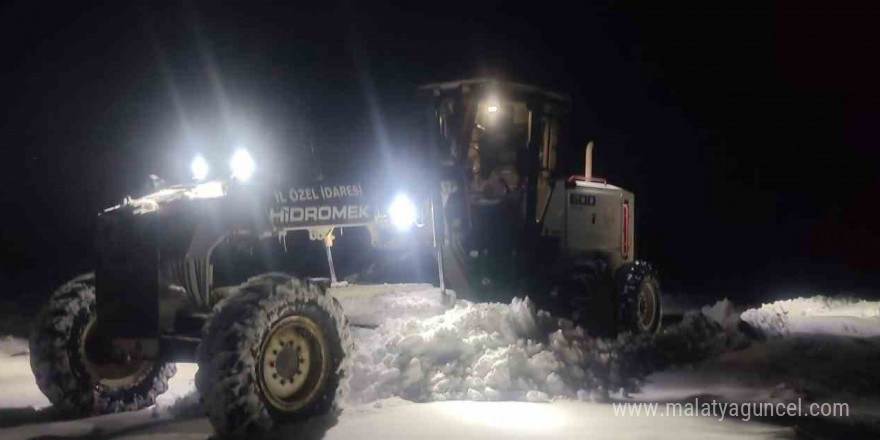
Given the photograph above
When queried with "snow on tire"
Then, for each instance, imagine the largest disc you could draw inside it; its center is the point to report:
(640, 309)
(275, 352)
(62, 369)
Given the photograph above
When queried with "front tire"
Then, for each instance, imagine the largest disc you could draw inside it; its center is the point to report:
(65, 373)
(275, 352)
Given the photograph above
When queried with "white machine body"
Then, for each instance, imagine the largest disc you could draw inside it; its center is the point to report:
(592, 217)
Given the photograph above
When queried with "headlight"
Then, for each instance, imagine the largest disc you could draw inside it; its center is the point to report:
(199, 168)
(402, 212)
(242, 165)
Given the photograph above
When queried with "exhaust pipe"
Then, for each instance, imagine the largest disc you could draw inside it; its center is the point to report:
(588, 162)
(588, 168)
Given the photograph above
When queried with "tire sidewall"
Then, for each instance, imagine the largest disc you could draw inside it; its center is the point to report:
(656, 319)
(231, 350)
(632, 280)
(61, 374)
(323, 399)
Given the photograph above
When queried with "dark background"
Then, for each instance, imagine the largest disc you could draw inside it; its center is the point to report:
(748, 135)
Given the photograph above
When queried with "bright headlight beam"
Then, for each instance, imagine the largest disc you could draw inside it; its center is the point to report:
(402, 212)
(199, 168)
(242, 165)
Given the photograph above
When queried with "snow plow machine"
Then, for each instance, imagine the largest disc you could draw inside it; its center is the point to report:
(196, 272)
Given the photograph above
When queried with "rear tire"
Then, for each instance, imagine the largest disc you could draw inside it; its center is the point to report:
(640, 308)
(273, 353)
(65, 374)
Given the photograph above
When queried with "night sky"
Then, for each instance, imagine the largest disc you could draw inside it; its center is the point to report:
(749, 136)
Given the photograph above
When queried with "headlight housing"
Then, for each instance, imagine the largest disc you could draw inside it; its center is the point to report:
(402, 212)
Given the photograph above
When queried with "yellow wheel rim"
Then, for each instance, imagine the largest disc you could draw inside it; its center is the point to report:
(293, 363)
(647, 306)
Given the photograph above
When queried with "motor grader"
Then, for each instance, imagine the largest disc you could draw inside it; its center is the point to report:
(199, 271)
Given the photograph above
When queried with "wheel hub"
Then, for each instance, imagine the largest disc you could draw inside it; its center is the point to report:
(294, 362)
(646, 305)
(117, 373)
(287, 362)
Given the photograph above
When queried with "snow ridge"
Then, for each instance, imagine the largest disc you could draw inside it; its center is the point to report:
(494, 351)
(471, 352)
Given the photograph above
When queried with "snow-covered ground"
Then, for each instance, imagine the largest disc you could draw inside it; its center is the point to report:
(425, 370)
(819, 315)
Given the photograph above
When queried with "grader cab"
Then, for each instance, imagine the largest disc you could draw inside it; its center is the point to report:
(513, 222)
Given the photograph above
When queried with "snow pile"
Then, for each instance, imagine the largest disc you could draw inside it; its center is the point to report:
(365, 307)
(723, 313)
(181, 399)
(186, 405)
(700, 335)
(817, 315)
(475, 352)
(494, 351)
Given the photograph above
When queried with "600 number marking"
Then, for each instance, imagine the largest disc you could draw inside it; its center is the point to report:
(582, 199)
